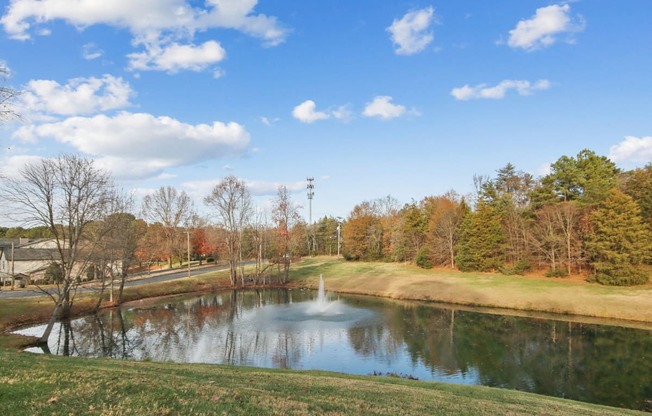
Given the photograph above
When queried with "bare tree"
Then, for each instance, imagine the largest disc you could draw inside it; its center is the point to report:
(66, 195)
(7, 96)
(172, 210)
(286, 215)
(233, 209)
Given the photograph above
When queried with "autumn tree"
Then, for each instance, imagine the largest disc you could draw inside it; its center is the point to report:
(231, 202)
(445, 214)
(363, 233)
(66, 194)
(173, 210)
(620, 241)
(286, 216)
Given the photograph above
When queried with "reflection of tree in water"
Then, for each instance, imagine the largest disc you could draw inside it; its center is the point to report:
(601, 364)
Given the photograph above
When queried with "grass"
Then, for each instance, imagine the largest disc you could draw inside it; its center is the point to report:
(36, 384)
(538, 294)
(46, 385)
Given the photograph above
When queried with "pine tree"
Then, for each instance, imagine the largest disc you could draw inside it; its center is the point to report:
(620, 241)
(482, 239)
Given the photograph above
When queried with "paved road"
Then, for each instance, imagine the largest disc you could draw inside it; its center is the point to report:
(7, 293)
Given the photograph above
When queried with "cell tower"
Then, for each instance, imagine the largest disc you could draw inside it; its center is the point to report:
(311, 193)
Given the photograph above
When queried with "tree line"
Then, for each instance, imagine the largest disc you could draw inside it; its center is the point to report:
(586, 216)
(99, 233)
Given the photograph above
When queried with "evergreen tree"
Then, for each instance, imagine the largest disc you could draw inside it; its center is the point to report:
(638, 184)
(481, 245)
(620, 241)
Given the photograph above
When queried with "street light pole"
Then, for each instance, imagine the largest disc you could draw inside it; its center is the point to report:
(188, 241)
(338, 240)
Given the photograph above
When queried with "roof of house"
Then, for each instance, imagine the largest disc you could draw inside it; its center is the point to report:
(33, 254)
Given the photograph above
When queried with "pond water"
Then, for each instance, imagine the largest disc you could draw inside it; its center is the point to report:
(365, 335)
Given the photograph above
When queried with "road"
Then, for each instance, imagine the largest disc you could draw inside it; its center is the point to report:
(138, 280)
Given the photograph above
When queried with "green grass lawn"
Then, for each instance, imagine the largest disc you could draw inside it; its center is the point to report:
(51, 385)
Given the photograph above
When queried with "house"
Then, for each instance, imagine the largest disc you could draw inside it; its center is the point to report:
(24, 259)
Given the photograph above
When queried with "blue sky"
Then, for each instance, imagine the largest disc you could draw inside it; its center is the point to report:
(371, 98)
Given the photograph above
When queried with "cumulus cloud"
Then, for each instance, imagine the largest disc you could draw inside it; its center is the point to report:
(411, 33)
(543, 29)
(632, 150)
(382, 107)
(306, 112)
(139, 145)
(175, 57)
(498, 92)
(79, 96)
(168, 25)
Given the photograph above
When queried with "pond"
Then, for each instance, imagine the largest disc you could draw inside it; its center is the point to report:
(365, 335)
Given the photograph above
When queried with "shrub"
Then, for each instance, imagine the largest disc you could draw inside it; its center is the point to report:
(520, 268)
(619, 275)
(423, 258)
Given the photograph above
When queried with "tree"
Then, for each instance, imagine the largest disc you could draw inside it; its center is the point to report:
(481, 241)
(172, 209)
(445, 214)
(231, 201)
(363, 233)
(620, 242)
(587, 178)
(286, 217)
(7, 96)
(638, 184)
(65, 194)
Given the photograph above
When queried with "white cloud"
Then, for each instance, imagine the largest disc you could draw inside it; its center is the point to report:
(12, 165)
(632, 150)
(306, 112)
(382, 107)
(269, 121)
(78, 96)
(542, 29)
(175, 57)
(411, 33)
(168, 26)
(498, 92)
(90, 51)
(138, 145)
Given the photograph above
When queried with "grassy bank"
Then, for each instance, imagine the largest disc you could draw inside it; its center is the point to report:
(39, 385)
(538, 294)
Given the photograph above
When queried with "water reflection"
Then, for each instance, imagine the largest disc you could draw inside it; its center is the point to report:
(593, 363)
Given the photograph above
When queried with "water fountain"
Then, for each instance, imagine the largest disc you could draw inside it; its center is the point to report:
(318, 311)
(322, 305)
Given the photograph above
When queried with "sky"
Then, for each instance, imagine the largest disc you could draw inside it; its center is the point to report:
(369, 98)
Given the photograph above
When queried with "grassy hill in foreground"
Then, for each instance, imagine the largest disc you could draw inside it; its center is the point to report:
(33, 385)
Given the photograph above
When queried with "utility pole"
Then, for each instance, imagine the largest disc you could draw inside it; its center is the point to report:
(13, 270)
(311, 193)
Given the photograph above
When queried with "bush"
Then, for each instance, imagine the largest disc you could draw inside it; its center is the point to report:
(520, 268)
(423, 258)
(619, 275)
(556, 273)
